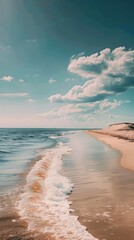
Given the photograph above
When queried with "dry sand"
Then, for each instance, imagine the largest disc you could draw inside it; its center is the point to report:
(121, 138)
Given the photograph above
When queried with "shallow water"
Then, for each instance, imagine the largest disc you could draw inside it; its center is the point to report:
(18, 148)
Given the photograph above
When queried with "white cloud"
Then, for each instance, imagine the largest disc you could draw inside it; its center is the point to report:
(78, 55)
(107, 74)
(90, 66)
(86, 93)
(7, 78)
(51, 81)
(21, 81)
(82, 111)
(13, 94)
(68, 110)
(30, 100)
(106, 104)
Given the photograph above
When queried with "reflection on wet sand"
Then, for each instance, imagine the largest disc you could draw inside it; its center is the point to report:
(104, 191)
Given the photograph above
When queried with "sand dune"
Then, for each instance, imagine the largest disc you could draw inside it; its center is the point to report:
(121, 137)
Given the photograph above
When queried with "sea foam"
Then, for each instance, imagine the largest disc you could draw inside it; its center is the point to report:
(44, 201)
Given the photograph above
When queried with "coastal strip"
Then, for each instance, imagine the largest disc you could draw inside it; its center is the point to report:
(120, 137)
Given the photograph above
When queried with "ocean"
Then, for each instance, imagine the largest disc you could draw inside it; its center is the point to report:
(62, 184)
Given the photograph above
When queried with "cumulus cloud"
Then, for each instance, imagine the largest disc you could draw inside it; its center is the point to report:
(13, 94)
(51, 80)
(107, 73)
(90, 66)
(7, 78)
(106, 104)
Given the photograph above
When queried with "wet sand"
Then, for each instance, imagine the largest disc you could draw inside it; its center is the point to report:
(110, 222)
(12, 227)
(124, 145)
(103, 192)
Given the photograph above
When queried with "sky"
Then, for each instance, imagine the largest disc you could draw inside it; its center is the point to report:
(66, 63)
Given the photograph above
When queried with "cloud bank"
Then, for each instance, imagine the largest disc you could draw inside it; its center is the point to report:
(7, 78)
(82, 110)
(106, 73)
(13, 94)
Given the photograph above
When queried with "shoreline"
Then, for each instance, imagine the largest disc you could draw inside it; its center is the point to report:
(102, 194)
(124, 145)
(99, 222)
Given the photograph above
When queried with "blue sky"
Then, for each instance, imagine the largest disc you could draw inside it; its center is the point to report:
(66, 63)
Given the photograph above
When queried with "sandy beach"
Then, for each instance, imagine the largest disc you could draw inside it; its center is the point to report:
(121, 138)
(103, 192)
(101, 200)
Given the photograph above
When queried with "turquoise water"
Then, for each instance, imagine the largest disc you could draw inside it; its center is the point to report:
(18, 147)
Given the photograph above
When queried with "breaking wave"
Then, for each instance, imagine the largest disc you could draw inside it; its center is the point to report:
(44, 203)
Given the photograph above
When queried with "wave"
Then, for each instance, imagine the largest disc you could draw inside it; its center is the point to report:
(4, 151)
(44, 203)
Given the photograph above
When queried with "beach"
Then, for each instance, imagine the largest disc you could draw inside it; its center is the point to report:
(103, 192)
(69, 186)
(34, 195)
(121, 138)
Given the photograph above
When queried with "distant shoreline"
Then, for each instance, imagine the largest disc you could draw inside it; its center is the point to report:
(121, 139)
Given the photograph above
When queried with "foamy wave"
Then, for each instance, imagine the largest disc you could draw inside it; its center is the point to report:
(44, 202)
(53, 136)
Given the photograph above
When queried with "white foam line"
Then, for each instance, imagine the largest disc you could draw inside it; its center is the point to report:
(44, 202)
